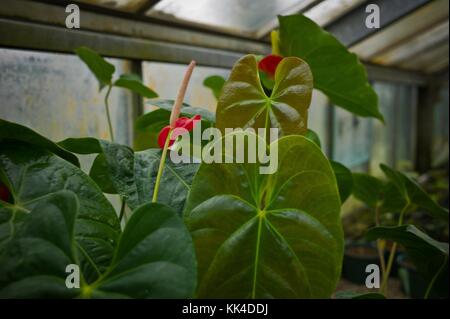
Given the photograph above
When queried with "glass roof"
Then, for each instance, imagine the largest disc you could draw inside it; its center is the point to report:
(416, 42)
(327, 11)
(421, 36)
(246, 17)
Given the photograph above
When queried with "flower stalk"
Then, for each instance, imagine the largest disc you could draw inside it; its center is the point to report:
(108, 115)
(176, 110)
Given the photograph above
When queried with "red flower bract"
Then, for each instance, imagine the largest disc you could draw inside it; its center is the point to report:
(182, 122)
(269, 64)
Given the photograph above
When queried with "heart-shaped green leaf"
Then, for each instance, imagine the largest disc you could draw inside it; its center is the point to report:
(215, 83)
(263, 236)
(117, 169)
(14, 131)
(413, 194)
(134, 83)
(155, 258)
(112, 169)
(244, 104)
(344, 179)
(314, 137)
(337, 72)
(368, 189)
(33, 264)
(175, 181)
(102, 69)
(428, 255)
(32, 174)
(343, 175)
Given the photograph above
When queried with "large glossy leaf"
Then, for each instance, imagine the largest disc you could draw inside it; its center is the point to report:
(413, 194)
(112, 169)
(314, 137)
(155, 258)
(337, 72)
(132, 175)
(32, 174)
(344, 179)
(368, 189)
(175, 182)
(215, 83)
(244, 104)
(427, 254)
(14, 131)
(134, 83)
(102, 69)
(263, 236)
(343, 175)
(33, 263)
(148, 126)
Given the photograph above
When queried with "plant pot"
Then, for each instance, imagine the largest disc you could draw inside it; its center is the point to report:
(356, 258)
(415, 286)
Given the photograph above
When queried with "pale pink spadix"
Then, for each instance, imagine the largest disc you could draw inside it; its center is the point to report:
(181, 93)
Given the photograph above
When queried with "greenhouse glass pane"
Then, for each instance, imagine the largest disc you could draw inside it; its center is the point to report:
(245, 17)
(318, 117)
(382, 150)
(440, 151)
(351, 138)
(57, 95)
(405, 127)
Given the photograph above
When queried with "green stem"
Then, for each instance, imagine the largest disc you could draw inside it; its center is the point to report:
(384, 284)
(161, 168)
(122, 210)
(108, 116)
(379, 247)
(266, 127)
(430, 286)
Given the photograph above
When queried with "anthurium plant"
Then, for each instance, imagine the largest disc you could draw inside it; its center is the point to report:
(206, 229)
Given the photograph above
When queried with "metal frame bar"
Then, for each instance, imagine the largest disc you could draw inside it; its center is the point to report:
(47, 38)
(389, 74)
(106, 21)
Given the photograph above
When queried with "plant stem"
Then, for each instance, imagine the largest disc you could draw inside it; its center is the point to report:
(266, 127)
(379, 247)
(384, 284)
(108, 116)
(161, 168)
(173, 119)
(433, 280)
(122, 210)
